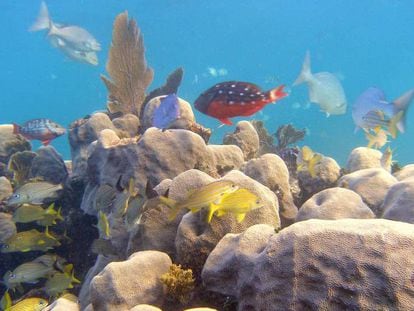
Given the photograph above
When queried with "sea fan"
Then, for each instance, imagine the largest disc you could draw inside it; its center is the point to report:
(127, 68)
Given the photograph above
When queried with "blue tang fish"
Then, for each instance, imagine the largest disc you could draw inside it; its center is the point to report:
(371, 110)
(167, 112)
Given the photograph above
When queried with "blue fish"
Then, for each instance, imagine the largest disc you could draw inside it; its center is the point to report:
(167, 112)
(372, 110)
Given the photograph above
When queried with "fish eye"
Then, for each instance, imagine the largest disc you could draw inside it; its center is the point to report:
(258, 202)
(12, 276)
(16, 196)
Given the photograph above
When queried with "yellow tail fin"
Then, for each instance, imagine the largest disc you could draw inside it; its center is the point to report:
(312, 163)
(211, 210)
(392, 128)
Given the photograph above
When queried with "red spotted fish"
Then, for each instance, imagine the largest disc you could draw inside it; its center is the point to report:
(40, 129)
(233, 98)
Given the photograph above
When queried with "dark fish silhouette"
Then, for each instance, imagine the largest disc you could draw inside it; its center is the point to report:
(167, 112)
(233, 98)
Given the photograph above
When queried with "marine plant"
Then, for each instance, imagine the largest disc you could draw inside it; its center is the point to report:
(129, 74)
(266, 141)
(179, 283)
(287, 135)
(20, 164)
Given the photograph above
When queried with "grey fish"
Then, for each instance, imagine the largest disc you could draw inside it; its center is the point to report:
(76, 42)
(35, 193)
(29, 272)
(324, 89)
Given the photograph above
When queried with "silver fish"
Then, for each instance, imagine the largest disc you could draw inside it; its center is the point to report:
(76, 42)
(324, 89)
(35, 193)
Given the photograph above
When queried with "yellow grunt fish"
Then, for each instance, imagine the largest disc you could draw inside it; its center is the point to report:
(200, 197)
(28, 304)
(307, 160)
(29, 272)
(31, 240)
(35, 193)
(29, 213)
(50, 219)
(60, 281)
(103, 226)
(238, 203)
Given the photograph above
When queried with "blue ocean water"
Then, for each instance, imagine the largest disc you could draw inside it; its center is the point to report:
(365, 43)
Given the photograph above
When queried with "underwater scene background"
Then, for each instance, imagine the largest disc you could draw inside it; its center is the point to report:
(363, 43)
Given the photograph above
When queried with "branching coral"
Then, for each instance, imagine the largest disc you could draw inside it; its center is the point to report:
(127, 68)
(179, 283)
(287, 135)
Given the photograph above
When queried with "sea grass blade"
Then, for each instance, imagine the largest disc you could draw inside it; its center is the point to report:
(129, 74)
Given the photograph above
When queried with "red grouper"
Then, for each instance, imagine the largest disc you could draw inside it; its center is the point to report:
(40, 129)
(234, 98)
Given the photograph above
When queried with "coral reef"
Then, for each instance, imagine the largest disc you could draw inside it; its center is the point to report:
(127, 68)
(334, 203)
(296, 267)
(287, 135)
(246, 138)
(179, 283)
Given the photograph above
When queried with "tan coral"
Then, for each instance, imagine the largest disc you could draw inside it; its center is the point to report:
(127, 68)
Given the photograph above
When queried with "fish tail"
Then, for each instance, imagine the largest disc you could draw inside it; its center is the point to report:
(211, 210)
(16, 128)
(6, 301)
(401, 104)
(397, 122)
(312, 163)
(277, 93)
(371, 139)
(306, 73)
(172, 204)
(59, 214)
(43, 20)
(51, 209)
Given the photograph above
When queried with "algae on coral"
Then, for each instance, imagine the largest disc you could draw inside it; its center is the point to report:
(129, 74)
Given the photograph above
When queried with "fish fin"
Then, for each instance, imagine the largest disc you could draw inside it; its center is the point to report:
(167, 201)
(277, 93)
(16, 128)
(240, 217)
(221, 213)
(396, 123)
(59, 214)
(43, 20)
(225, 121)
(371, 139)
(51, 209)
(68, 269)
(46, 142)
(74, 279)
(305, 73)
(300, 167)
(312, 163)
(211, 210)
(24, 250)
(401, 104)
(6, 301)
(327, 114)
